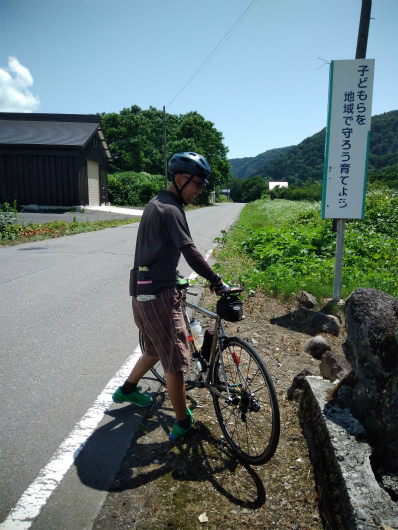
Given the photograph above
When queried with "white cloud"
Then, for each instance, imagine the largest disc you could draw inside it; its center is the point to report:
(15, 81)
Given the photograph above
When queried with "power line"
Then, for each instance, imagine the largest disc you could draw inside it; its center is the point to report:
(216, 49)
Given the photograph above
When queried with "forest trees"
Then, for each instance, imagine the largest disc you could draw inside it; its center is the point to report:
(135, 138)
(303, 165)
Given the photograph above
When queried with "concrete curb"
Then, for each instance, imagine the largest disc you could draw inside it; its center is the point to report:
(137, 212)
(349, 494)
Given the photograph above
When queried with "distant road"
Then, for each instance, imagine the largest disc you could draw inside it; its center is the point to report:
(66, 331)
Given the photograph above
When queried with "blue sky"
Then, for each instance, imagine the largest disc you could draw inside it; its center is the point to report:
(264, 87)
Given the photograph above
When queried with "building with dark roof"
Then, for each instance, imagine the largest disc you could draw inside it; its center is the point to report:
(53, 160)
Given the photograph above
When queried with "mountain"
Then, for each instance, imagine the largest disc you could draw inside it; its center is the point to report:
(248, 167)
(305, 161)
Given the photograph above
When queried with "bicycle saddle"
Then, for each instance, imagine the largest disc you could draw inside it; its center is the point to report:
(182, 283)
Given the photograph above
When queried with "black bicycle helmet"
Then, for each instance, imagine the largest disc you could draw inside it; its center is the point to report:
(189, 163)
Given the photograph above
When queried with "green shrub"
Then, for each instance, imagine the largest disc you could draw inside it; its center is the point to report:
(283, 247)
(8, 221)
(133, 189)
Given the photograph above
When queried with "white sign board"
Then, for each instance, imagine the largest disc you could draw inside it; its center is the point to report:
(347, 139)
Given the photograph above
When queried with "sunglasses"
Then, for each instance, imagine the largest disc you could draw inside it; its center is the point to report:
(199, 185)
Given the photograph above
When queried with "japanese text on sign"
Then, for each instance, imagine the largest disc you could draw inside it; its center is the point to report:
(347, 139)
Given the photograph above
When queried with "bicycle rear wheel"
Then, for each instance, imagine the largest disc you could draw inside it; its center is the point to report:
(249, 417)
(191, 375)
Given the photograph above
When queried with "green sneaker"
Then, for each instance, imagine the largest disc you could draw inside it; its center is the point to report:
(141, 400)
(177, 432)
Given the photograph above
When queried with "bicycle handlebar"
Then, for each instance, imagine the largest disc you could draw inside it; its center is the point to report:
(183, 283)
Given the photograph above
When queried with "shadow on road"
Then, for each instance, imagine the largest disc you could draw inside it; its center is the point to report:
(152, 456)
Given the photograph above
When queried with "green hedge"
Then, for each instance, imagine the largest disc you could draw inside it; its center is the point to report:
(133, 189)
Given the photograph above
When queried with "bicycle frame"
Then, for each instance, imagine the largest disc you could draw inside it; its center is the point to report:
(244, 397)
(219, 335)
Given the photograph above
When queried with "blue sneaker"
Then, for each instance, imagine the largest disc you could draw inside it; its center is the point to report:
(141, 400)
(177, 432)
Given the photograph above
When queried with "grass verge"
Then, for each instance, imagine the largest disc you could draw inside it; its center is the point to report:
(15, 233)
(282, 247)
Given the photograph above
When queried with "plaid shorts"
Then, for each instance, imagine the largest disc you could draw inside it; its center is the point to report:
(162, 323)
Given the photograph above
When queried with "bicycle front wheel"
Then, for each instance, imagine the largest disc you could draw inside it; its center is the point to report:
(248, 413)
(191, 375)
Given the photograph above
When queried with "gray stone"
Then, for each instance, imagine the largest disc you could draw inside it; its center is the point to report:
(316, 346)
(334, 366)
(331, 430)
(352, 428)
(370, 391)
(307, 299)
(311, 322)
(371, 346)
(314, 322)
(293, 392)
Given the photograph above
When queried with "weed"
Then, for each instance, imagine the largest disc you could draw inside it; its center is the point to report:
(282, 247)
(12, 233)
(140, 427)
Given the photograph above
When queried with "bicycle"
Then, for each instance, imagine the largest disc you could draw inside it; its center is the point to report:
(243, 393)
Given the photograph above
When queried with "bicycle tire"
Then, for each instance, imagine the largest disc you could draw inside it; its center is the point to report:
(191, 375)
(250, 420)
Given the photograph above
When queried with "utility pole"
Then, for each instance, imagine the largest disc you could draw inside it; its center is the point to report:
(362, 43)
(363, 32)
(165, 148)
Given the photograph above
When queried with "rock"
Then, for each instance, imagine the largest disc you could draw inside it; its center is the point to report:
(294, 391)
(334, 366)
(370, 391)
(307, 299)
(316, 346)
(386, 527)
(313, 322)
(341, 457)
(371, 319)
(390, 484)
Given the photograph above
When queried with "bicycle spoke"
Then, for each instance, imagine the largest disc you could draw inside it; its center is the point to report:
(249, 416)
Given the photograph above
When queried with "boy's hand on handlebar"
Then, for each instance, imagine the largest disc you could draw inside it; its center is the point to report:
(220, 288)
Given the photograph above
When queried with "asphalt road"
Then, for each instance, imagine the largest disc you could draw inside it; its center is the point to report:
(67, 341)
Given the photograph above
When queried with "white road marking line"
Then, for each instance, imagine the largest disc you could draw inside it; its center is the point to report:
(35, 497)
